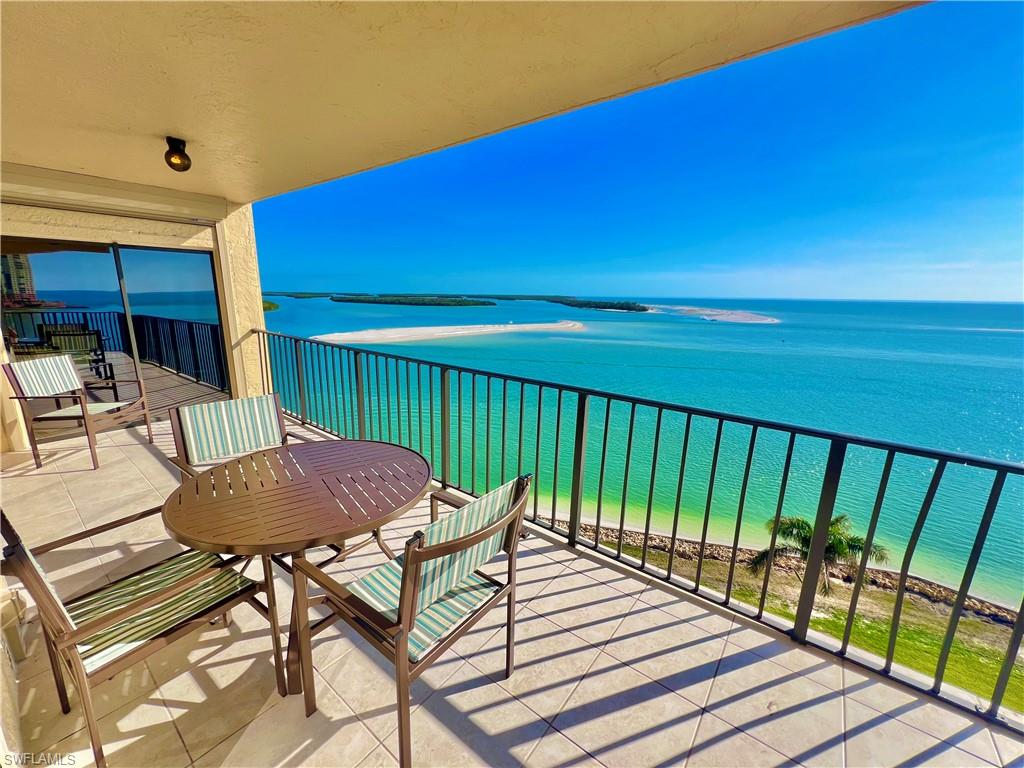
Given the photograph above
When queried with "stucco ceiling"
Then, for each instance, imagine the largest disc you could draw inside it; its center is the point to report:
(275, 96)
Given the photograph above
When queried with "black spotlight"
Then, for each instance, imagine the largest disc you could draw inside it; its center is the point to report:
(176, 157)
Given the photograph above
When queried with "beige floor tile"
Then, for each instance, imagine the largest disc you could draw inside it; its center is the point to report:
(365, 680)
(135, 497)
(137, 734)
(719, 745)
(629, 584)
(45, 524)
(786, 710)
(218, 680)
(623, 718)
(586, 607)
(817, 665)
(556, 751)
(24, 497)
(36, 661)
(1010, 748)
(42, 722)
(284, 736)
(549, 663)
(672, 651)
(154, 466)
(533, 573)
(379, 758)
(920, 711)
(689, 609)
(874, 739)
(134, 547)
(554, 551)
(471, 721)
(111, 481)
(81, 460)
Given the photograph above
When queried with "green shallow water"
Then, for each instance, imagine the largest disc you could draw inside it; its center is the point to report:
(947, 376)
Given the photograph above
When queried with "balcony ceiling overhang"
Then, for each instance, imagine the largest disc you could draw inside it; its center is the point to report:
(275, 96)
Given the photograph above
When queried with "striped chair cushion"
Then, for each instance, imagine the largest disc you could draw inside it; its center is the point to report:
(114, 642)
(381, 586)
(221, 429)
(440, 575)
(47, 376)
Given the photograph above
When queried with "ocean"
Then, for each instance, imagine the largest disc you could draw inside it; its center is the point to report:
(937, 375)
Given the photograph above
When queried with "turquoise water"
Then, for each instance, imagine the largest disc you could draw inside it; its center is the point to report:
(939, 375)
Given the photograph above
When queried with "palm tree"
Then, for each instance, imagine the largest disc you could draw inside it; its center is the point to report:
(843, 546)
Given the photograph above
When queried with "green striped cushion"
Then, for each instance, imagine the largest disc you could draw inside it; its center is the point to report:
(221, 429)
(380, 589)
(47, 376)
(440, 575)
(121, 638)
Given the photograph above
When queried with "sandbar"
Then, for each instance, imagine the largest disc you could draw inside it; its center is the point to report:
(717, 315)
(389, 335)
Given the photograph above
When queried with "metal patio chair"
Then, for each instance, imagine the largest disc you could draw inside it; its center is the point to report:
(103, 632)
(85, 348)
(56, 378)
(220, 430)
(413, 608)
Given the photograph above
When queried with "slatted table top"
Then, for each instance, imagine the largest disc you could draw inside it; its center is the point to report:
(296, 497)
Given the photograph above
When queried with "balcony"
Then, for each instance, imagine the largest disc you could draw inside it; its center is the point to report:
(617, 665)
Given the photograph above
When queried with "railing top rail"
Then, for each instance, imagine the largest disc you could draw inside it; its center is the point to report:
(1015, 468)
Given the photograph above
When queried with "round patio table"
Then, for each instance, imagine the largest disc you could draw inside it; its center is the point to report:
(294, 497)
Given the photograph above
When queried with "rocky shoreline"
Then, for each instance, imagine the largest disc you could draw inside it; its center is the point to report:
(874, 577)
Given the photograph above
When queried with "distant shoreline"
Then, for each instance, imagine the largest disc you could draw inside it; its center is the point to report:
(392, 335)
(716, 315)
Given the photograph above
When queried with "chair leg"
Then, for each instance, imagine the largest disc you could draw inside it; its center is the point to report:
(58, 673)
(402, 684)
(82, 684)
(32, 442)
(149, 425)
(301, 619)
(275, 629)
(510, 635)
(433, 509)
(90, 435)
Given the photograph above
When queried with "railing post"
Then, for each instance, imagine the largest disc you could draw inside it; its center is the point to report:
(446, 448)
(195, 350)
(578, 457)
(360, 401)
(819, 539)
(300, 376)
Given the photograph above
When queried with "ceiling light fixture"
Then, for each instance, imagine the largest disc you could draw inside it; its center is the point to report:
(176, 157)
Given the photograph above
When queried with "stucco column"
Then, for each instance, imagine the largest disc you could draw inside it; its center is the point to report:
(241, 298)
(13, 436)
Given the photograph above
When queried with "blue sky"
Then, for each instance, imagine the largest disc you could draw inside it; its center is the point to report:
(884, 161)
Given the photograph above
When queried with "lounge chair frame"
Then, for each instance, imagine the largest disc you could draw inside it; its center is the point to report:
(94, 423)
(61, 637)
(391, 638)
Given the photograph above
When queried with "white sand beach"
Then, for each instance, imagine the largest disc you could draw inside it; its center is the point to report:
(388, 335)
(719, 315)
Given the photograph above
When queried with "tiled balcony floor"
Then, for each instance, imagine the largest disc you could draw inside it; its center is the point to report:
(611, 669)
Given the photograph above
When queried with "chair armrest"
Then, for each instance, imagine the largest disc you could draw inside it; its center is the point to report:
(83, 631)
(107, 383)
(187, 469)
(46, 397)
(449, 498)
(103, 528)
(338, 591)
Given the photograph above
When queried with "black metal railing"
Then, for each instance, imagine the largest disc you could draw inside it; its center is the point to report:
(188, 347)
(675, 492)
(185, 346)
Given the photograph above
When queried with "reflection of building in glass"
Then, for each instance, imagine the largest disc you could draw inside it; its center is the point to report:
(17, 276)
(19, 287)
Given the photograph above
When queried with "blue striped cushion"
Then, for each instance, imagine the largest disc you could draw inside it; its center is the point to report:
(380, 589)
(221, 429)
(47, 376)
(440, 575)
(114, 642)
